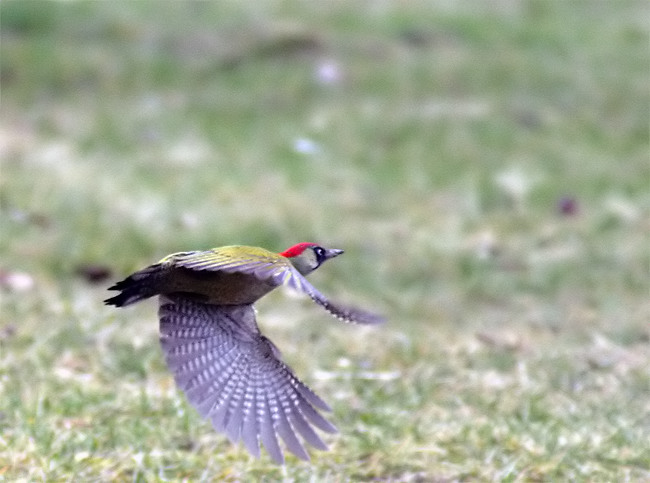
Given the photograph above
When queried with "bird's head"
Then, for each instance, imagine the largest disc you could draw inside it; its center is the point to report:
(307, 257)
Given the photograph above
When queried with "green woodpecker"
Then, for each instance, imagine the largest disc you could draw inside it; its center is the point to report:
(230, 372)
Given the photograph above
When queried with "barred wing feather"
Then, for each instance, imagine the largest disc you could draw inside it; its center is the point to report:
(233, 375)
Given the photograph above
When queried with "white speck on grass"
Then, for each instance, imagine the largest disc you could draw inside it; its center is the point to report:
(306, 146)
(67, 374)
(516, 183)
(189, 151)
(343, 362)
(80, 456)
(622, 208)
(16, 281)
(329, 72)
(138, 458)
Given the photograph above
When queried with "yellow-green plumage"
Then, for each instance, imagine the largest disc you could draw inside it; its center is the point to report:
(224, 255)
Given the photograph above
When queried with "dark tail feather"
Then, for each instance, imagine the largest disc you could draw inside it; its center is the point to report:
(127, 297)
(134, 288)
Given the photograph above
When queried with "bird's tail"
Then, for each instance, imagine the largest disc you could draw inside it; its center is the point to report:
(138, 286)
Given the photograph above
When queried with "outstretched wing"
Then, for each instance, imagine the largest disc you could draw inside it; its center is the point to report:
(272, 268)
(233, 375)
(341, 312)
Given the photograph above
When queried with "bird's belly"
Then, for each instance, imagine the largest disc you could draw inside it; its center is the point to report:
(219, 288)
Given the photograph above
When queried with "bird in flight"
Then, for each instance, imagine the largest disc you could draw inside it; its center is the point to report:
(229, 371)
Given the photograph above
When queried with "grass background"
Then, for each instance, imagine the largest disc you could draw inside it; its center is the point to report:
(485, 167)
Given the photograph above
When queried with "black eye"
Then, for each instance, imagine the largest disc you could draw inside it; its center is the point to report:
(320, 254)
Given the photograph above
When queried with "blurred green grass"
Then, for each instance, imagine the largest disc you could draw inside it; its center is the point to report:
(434, 143)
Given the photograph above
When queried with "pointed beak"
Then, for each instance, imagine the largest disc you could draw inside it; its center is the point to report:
(332, 252)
